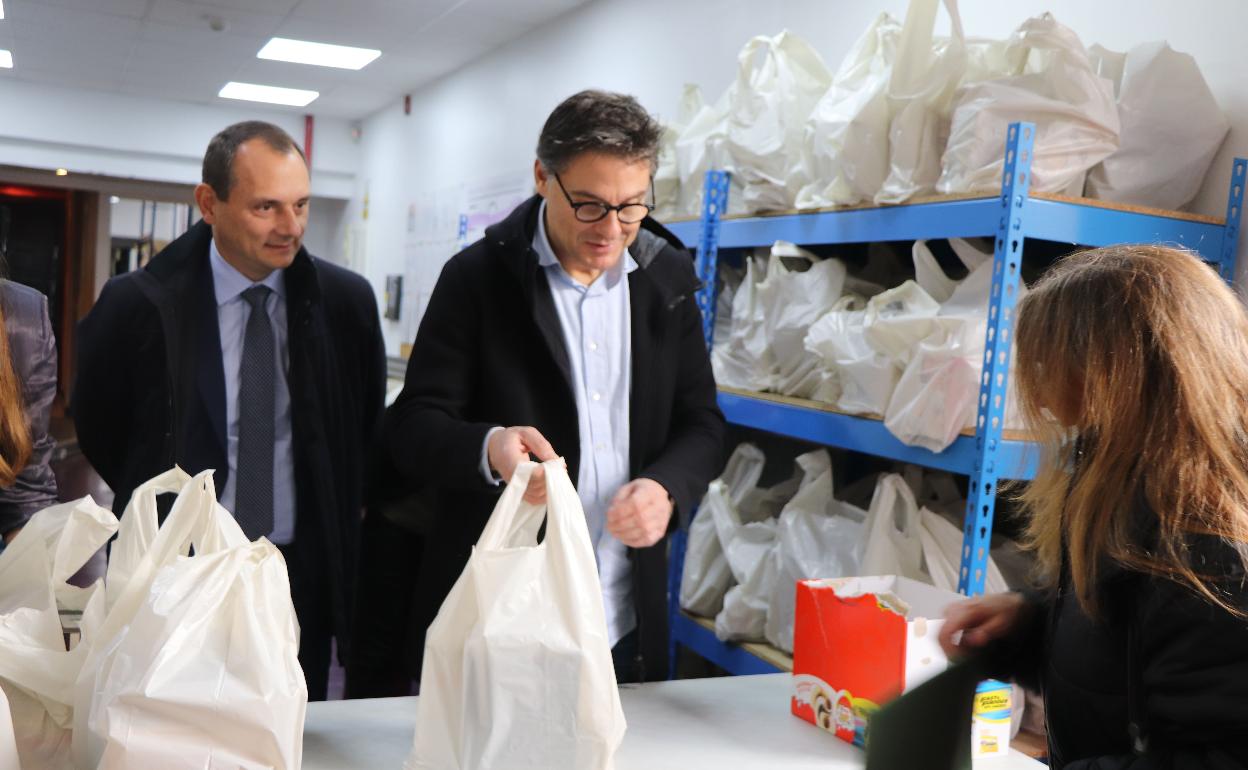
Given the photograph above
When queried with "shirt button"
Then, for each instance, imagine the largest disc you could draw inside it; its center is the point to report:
(596, 396)
(593, 346)
(600, 446)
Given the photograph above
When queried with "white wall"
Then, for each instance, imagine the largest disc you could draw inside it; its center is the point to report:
(92, 132)
(483, 120)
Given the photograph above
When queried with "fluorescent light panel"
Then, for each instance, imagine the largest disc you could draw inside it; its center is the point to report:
(1, 9)
(320, 54)
(251, 92)
(6, 59)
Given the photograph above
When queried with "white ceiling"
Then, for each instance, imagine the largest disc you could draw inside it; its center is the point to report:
(167, 49)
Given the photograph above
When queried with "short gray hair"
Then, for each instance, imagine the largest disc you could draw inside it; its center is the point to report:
(598, 121)
(218, 170)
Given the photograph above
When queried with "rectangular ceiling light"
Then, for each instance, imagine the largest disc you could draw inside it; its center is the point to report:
(1, 9)
(251, 92)
(321, 54)
(6, 59)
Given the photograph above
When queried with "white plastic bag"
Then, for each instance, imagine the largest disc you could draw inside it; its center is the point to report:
(790, 299)
(1071, 106)
(8, 743)
(898, 319)
(779, 81)
(920, 92)
(937, 393)
(863, 379)
(845, 147)
(700, 148)
(894, 543)
(517, 670)
(196, 664)
(1172, 128)
(942, 555)
(752, 556)
(706, 576)
(817, 537)
(744, 358)
(37, 674)
(667, 176)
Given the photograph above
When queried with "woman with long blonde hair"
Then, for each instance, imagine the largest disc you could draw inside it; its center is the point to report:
(1132, 371)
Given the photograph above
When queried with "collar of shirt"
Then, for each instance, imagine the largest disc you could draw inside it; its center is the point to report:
(228, 283)
(547, 259)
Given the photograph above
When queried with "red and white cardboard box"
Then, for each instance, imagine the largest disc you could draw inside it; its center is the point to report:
(860, 642)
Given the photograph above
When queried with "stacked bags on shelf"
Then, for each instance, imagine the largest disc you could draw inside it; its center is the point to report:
(912, 354)
(182, 661)
(909, 114)
(748, 547)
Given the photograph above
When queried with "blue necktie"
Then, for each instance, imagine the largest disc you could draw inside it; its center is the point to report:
(253, 491)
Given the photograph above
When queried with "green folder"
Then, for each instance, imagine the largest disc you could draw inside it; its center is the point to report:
(929, 727)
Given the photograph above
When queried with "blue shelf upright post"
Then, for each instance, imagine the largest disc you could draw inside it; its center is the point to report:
(1234, 210)
(714, 202)
(990, 413)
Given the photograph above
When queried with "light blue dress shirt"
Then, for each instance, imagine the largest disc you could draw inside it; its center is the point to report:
(597, 332)
(232, 313)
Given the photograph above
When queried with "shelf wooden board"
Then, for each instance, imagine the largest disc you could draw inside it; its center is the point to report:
(823, 424)
(805, 403)
(1186, 216)
(761, 650)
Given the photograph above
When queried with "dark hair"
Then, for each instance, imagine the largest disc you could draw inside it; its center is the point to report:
(218, 170)
(598, 121)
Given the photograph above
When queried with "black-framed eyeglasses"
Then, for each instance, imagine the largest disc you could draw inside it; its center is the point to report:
(594, 211)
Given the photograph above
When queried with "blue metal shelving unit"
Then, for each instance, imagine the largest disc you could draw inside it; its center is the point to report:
(1011, 218)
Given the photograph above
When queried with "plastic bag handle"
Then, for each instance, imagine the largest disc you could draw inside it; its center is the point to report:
(511, 514)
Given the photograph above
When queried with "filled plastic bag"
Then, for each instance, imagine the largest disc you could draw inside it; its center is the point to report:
(779, 81)
(196, 663)
(920, 96)
(743, 358)
(845, 147)
(706, 575)
(817, 536)
(798, 290)
(700, 148)
(1072, 107)
(751, 548)
(667, 175)
(37, 673)
(863, 378)
(8, 742)
(1172, 127)
(894, 544)
(898, 319)
(942, 555)
(517, 669)
(936, 396)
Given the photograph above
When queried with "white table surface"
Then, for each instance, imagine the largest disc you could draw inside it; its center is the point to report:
(727, 723)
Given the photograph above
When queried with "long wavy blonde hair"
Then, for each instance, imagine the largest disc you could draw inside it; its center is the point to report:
(14, 432)
(1141, 352)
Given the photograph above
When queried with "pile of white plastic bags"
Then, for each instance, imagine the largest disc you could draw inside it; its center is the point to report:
(910, 114)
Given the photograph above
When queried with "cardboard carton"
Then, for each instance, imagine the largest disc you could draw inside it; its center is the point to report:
(860, 642)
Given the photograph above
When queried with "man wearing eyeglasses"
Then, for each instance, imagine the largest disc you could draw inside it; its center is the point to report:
(569, 330)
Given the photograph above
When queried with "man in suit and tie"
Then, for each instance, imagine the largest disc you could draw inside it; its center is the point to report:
(234, 349)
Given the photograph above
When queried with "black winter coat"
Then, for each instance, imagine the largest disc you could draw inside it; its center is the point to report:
(1191, 670)
(490, 352)
(150, 388)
